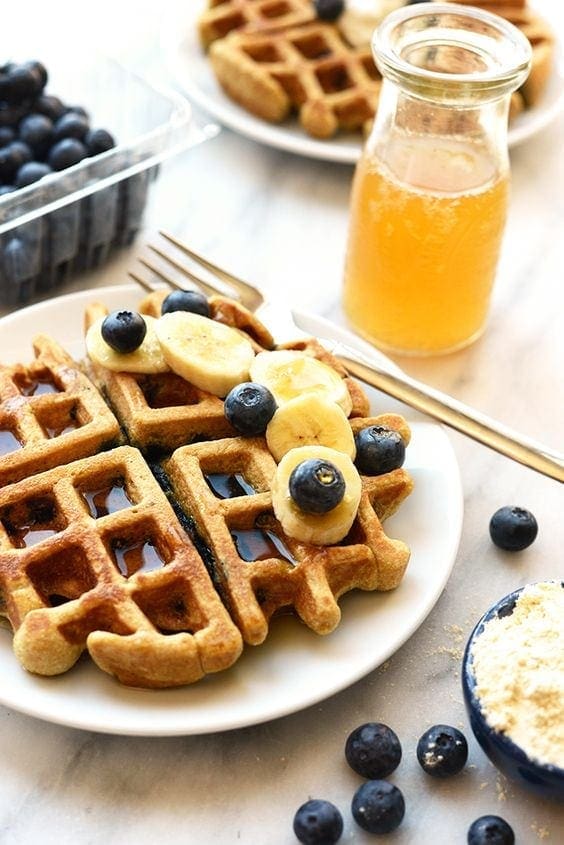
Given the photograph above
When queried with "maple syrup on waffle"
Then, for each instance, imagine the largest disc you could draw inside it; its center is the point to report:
(8, 443)
(106, 500)
(226, 486)
(260, 544)
(136, 557)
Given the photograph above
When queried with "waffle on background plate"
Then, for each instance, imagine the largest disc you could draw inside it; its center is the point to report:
(162, 556)
(274, 58)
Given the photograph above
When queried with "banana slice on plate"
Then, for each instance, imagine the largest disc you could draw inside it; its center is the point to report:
(148, 358)
(208, 354)
(309, 420)
(289, 374)
(320, 529)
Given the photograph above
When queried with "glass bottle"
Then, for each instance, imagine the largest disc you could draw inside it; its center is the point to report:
(429, 196)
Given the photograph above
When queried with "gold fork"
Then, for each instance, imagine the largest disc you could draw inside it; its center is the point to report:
(367, 365)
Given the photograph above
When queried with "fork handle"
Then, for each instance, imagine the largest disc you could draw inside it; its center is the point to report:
(455, 414)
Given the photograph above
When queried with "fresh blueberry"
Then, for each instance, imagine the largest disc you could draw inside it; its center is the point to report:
(318, 822)
(6, 189)
(31, 172)
(80, 110)
(378, 806)
(124, 331)
(23, 84)
(412, 2)
(442, 751)
(249, 407)
(71, 125)
(513, 528)
(7, 135)
(99, 141)
(50, 106)
(7, 165)
(20, 153)
(40, 71)
(36, 131)
(65, 153)
(373, 750)
(316, 486)
(10, 115)
(378, 450)
(490, 830)
(329, 10)
(186, 300)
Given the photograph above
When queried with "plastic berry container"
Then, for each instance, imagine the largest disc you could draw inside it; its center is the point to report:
(543, 779)
(72, 220)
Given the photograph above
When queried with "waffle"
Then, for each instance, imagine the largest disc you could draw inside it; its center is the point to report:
(309, 69)
(50, 414)
(92, 556)
(223, 16)
(257, 568)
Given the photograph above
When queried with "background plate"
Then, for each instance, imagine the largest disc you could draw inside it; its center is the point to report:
(294, 668)
(193, 73)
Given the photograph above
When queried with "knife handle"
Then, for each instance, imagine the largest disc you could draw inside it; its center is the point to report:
(455, 414)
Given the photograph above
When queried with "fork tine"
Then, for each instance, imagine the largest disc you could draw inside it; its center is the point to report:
(199, 282)
(250, 296)
(140, 281)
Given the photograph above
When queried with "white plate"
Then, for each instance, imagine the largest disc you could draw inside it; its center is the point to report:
(193, 73)
(294, 668)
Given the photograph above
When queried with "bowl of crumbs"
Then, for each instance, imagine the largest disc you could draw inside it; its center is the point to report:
(513, 683)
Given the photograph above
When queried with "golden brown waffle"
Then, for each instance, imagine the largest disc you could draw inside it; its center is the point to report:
(92, 556)
(258, 568)
(309, 69)
(223, 16)
(50, 414)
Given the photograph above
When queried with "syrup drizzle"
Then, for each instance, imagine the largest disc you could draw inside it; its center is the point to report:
(32, 527)
(229, 486)
(57, 431)
(107, 500)
(136, 557)
(8, 443)
(260, 544)
(38, 388)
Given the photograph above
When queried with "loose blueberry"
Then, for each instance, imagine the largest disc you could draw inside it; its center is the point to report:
(50, 106)
(7, 135)
(373, 750)
(36, 131)
(71, 125)
(378, 806)
(20, 153)
(490, 830)
(186, 300)
(80, 110)
(31, 172)
(99, 141)
(249, 407)
(513, 528)
(378, 450)
(23, 83)
(124, 331)
(8, 165)
(65, 153)
(318, 822)
(40, 71)
(442, 751)
(316, 486)
(412, 2)
(329, 10)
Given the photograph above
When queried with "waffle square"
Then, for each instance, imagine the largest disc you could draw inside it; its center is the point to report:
(50, 414)
(93, 557)
(223, 16)
(225, 488)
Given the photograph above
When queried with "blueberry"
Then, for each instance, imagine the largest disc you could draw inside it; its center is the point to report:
(71, 125)
(8, 164)
(124, 331)
(378, 450)
(23, 84)
(373, 750)
(249, 407)
(513, 528)
(10, 115)
(186, 300)
(490, 830)
(80, 110)
(378, 806)
(7, 135)
(50, 106)
(65, 153)
(329, 10)
(442, 751)
(31, 172)
(36, 131)
(40, 71)
(316, 486)
(20, 153)
(413, 2)
(6, 189)
(99, 141)
(318, 822)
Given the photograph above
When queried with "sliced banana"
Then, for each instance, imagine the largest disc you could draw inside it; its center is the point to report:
(309, 420)
(208, 354)
(148, 358)
(319, 529)
(289, 374)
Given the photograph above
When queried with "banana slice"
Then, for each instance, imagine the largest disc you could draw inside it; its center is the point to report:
(208, 354)
(148, 358)
(309, 420)
(289, 374)
(319, 529)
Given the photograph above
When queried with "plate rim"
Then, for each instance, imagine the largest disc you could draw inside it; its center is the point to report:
(33, 706)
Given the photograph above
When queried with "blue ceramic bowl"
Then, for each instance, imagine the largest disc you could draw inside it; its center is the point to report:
(509, 758)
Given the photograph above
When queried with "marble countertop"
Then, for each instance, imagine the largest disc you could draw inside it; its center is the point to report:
(281, 220)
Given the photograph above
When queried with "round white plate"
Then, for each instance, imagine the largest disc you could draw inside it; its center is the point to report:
(193, 73)
(294, 668)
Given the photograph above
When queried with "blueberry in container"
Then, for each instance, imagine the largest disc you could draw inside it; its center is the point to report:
(71, 220)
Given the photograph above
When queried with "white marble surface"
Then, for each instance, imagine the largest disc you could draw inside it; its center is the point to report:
(281, 221)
